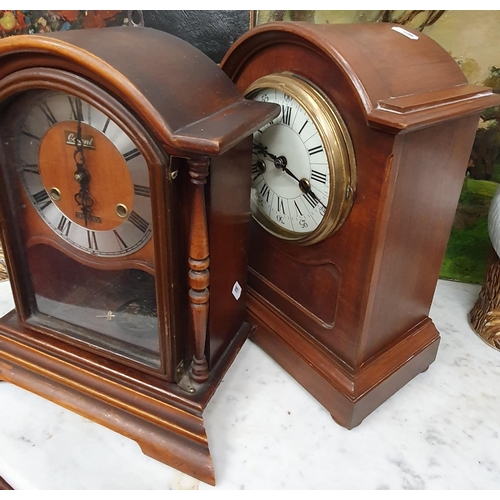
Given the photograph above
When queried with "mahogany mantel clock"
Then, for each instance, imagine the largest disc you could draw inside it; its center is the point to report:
(354, 189)
(129, 282)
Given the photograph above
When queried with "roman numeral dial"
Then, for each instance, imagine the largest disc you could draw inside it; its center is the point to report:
(291, 176)
(61, 131)
(301, 173)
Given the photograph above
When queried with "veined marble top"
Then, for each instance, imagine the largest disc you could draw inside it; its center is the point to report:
(441, 431)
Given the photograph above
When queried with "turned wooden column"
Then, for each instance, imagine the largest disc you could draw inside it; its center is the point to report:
(199, 262)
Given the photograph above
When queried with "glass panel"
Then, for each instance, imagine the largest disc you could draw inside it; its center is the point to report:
(86, 223)
(113, 310)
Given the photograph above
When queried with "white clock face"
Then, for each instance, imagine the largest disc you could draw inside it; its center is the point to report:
(118, 220)
(290, 170)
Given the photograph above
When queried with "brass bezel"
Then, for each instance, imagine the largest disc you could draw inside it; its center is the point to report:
(339, 151)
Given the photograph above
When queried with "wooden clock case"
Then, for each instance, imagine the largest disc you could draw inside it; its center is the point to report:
(196, 118)
(348, 317)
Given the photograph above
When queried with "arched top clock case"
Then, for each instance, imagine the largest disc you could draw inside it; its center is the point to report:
(345, 308)
(399, 78)
(171, 101)
(127, 257)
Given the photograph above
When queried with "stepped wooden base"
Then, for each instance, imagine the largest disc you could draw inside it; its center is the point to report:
(349, 395)
(164, 420)
(4, 485)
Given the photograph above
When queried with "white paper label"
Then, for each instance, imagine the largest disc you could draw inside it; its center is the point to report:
(237, 291)
(405, 32)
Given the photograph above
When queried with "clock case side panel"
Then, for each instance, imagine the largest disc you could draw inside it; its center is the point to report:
(228, 218)
(430, 165)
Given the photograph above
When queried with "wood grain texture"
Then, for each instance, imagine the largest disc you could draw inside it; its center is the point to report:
(179, 109)
(412, 117)
(120, 59)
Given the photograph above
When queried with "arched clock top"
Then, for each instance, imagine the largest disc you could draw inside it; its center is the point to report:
(187, 102)
(398, 75)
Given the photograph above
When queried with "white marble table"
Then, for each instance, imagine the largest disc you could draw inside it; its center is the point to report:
(441, 431)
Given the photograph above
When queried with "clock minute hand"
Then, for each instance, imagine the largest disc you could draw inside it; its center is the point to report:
(281, 163)
(304, 184)
(82, 175)
(315, 197)
(290, 173)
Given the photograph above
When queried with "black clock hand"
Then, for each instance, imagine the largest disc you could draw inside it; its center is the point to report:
(309, 191)
(82, 175)
(281, 163)
(262, 150)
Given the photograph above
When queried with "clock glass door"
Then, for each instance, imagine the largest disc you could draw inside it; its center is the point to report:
(85, 219)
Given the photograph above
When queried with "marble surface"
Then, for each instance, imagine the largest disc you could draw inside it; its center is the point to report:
(441, 431)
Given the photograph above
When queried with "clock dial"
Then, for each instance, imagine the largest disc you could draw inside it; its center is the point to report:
(290, 174)
(97, 200)
(302, 163)
(86, 224)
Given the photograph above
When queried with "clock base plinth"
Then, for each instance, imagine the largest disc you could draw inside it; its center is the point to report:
(349, 395)
(166, 424)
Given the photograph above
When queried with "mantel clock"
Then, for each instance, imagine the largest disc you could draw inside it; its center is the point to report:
(126, 254)
(354, 189)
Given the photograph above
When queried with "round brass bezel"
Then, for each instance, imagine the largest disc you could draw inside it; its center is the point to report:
(339, 151)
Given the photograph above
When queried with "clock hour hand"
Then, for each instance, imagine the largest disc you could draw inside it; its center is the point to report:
(260, 149)
(280, 162)
(82, 175)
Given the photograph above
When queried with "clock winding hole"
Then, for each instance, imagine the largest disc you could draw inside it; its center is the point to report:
(55, 194)
(121, 210)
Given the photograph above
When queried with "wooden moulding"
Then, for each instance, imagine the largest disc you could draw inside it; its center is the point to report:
(168, 427)
(349, 395)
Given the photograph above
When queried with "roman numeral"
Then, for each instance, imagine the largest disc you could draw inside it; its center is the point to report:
(310, 199)
(121, 243)
(297, 208)
(281, 206)
(31, 168)
(141, 190)
(286, 112)
(92, 240)
(255, 171)
(76, 108)
(130, 155)
(138, 222)
(318, 176)
(302, 128)
(316, 149)
(106, 126)
(64, 225)
(264, 191)
(42, 199)
(29, 134)
(48, 113)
